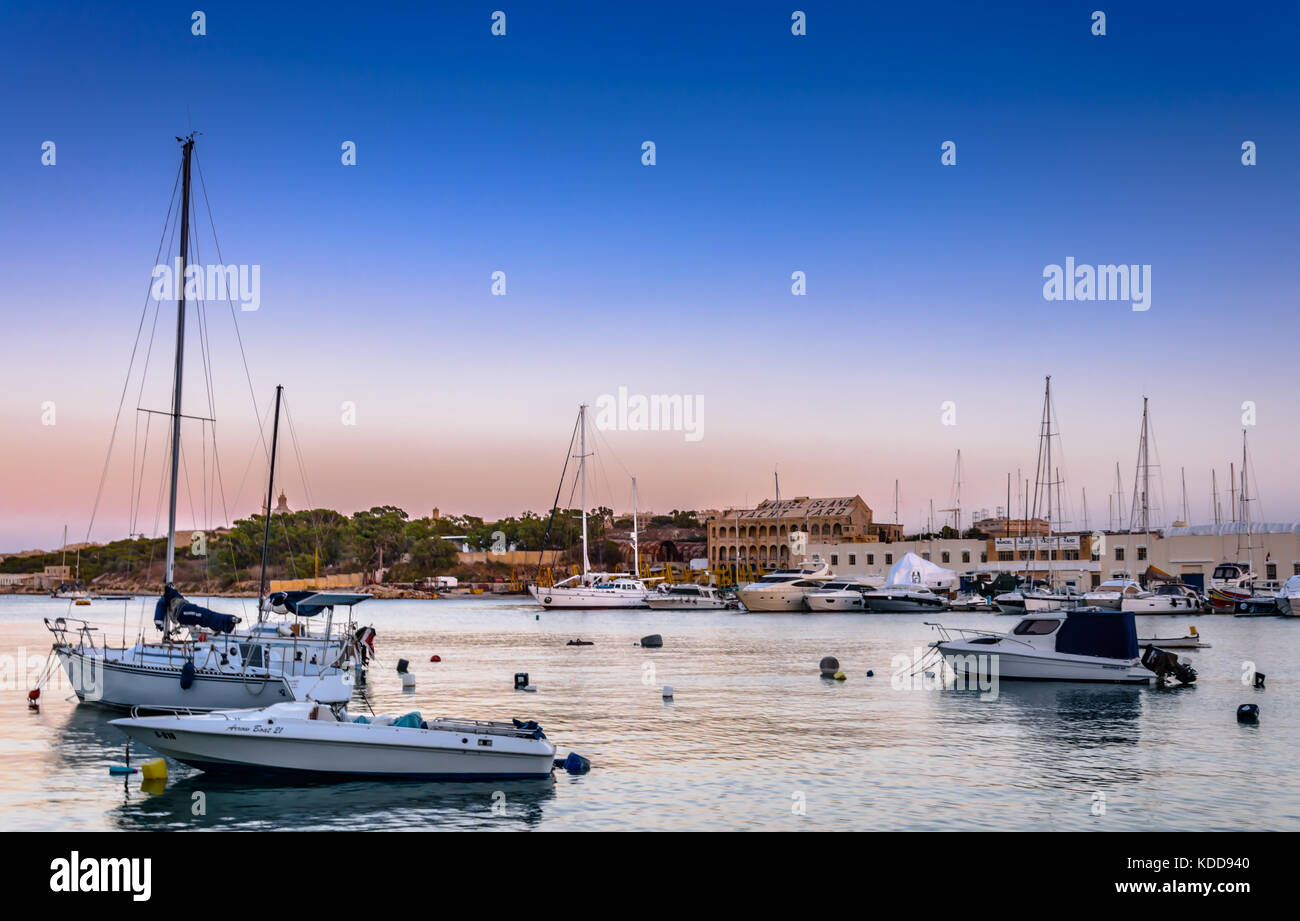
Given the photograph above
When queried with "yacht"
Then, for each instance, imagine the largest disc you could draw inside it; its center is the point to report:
(1168, 598)
(1288, 598)
(843, 594)
(688, 598)
(593, 590)
(309, 739)
(1113, 593)
(1066, 596)
(1086, 644)
(907, 598)
(784, 589)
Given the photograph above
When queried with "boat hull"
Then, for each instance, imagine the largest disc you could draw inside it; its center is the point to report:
(586, 598)
(903, 604)
(970, 660)
(686, 604)
(758, 601)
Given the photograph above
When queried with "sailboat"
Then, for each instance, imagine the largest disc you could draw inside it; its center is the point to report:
(590, 588)
(201, 661)
(1053, 597)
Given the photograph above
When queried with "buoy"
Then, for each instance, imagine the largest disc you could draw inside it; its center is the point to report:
(153, 786)
(668, 692)
(408, 680)
(119, 769)
(829, 665)
(435, 658)
(653, 641)
(840, 676)
(521, 680)
(154, 769)
(870, 673)
(34, 694)
(1193, 629)
(1248, 713)
(576, 764)
(402, 666)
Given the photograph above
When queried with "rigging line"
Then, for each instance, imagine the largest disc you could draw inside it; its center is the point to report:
(252, 454)
(568, 454)
(248, 375)
(99, 492)
(302, 472)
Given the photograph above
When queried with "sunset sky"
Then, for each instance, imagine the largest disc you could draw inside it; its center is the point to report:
(775, 153)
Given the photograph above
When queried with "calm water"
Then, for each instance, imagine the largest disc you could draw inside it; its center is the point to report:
(754, 732)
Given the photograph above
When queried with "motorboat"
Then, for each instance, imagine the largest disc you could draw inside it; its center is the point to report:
(784, 589)
(1231, 583)
(203, 662)
(907, 598)
(1288, 598)
(592, 590)
(1192, 640)
(842, 594)
(688, 597)
(1113, 593)
(1010, 602)
(1052, 600)
(1085, 644)
(1168, 598)
(971, 601)
(1257, 606)
(309, 739)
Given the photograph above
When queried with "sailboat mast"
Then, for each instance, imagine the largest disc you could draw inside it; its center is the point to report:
(636, 547)
(270, 486)
(187, 148)
(582, 475)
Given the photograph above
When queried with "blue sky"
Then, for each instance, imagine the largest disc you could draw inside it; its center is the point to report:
(775, 153)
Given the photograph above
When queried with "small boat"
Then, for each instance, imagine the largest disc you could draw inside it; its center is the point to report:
(1288, 598)
(309, 739)
(903, 599)
(1113, 593)
(1192, 640)
(970, 601)
(1257, 606)
(1065, 597)
(688, 597)
(1169, 598)
(1083, 645)
(843, 594)
(1231, 583)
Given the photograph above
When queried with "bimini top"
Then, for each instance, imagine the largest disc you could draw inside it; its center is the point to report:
(309, 603)
(1105, 634)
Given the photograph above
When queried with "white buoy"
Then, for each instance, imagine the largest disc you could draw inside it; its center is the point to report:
(668, 692)
(408, 680)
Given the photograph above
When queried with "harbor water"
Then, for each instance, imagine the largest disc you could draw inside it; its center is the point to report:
(754, 738)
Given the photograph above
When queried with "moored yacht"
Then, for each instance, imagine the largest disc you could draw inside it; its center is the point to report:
(1113, 593)
(784, 589)
(1168, 598)
(688, 597)
(907, 598)
(842, 594)
(592, 590)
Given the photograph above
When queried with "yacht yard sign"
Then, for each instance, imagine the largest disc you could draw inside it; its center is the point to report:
(1002, 544)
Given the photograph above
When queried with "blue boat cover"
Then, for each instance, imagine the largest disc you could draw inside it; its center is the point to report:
(188, 614)
(1106, 634)
(292, 602)
(411, 720)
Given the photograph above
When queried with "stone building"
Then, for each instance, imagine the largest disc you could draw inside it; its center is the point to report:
(760, 536)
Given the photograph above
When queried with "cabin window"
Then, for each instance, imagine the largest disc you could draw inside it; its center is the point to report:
(252, 655)
(1036, 627)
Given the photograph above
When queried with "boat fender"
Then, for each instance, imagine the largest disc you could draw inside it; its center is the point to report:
(187, 676)
(576, 764)
(408, 680)
(119, 769)
(1248, 713)
(154, 769)
(34, 694)
(829, 665)
(521, 680)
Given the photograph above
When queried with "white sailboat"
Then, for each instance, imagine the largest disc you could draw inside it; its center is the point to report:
(1053, 597)
(202, 662)
(591, 589)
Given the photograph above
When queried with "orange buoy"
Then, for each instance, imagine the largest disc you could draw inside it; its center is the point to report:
(34, 694)
(435, 658)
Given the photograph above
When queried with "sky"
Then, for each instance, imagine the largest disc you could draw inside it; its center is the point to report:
(923, 330)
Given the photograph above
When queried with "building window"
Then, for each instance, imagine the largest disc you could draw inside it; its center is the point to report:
(889, 559)
(984, 557)
(1071, 554)
(965, 556)
(853, 559)
(1142, 553)
(871, 561)
(1119, 554)
(1270, 572)
(835, 559)
(1296, 568)
(945, 556)
(926, 555)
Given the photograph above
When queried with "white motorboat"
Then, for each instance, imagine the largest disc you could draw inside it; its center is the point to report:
(688, 597)
(970, 601)
(903, 599)
(1192, 640)
(593, 590)
(1113, 592)
(842, 594)
(1168, 598)
(1086, 644)
(307, 739)
(1064, 597)
(784, 589)
(203, 663)
(1288, 598)
(1010, 602)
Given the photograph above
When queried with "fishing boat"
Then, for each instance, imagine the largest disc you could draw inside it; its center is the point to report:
(1231, 583)
(688, 597)
(589, 588)
(784, 589)
(202, 661)
(1082, 645)
(842, 594)
(314, 740)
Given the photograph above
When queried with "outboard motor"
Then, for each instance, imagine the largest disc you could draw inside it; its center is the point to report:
(1165, 664)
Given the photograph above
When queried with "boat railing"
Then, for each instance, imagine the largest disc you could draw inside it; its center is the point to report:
(479, 727)
(159, 709)
(946, 633)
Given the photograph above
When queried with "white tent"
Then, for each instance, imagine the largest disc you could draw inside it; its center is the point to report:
(916, 570)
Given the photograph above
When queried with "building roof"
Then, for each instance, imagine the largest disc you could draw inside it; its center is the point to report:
(798, 507)
(1231, 528)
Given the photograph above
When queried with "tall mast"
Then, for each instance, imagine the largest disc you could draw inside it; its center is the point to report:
(270, 486)
(776, 478)
(1186, 513)
(1085, 508)
(582, 475)
(187, 148)
(1214, 490)
(1232, 490)
(636, 547)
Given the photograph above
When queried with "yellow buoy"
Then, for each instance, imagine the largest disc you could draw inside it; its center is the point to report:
(840, 676)
(153, 786)
(154, 769)
(1193, 631)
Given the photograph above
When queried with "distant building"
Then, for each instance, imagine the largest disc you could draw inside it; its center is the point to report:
(282, 507)
(1011, 527)
(761, 535)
